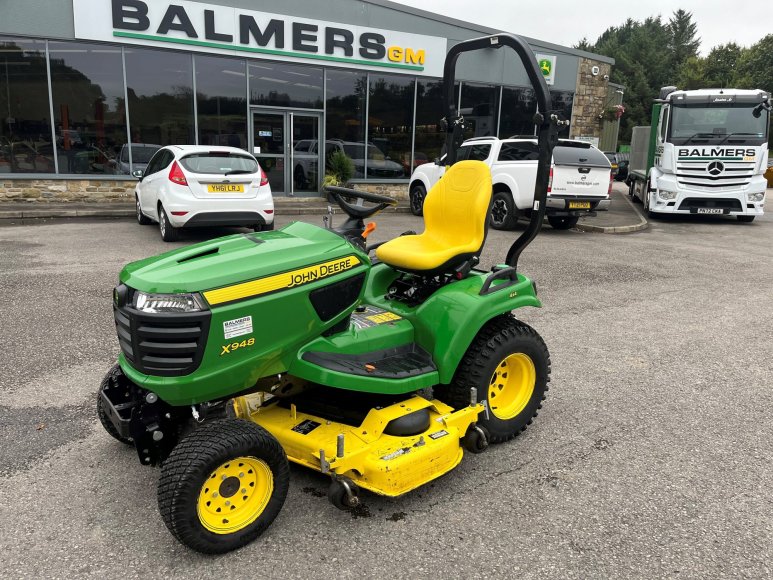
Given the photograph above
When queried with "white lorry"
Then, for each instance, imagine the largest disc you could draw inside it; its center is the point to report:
(580, 179)
(705, 152)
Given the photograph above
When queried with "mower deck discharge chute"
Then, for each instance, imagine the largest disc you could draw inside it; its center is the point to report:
(300, 344)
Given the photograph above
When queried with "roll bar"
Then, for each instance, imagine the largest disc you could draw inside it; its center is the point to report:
(547, 121)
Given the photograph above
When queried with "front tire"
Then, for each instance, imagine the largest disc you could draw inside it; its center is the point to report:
(563, 222)
(169, 233)
(746, 219)
(417, 195)
(509, 363)
(504, 214)
(223, 485)
(142, 219)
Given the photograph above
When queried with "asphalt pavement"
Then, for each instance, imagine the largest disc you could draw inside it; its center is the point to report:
(652, 456)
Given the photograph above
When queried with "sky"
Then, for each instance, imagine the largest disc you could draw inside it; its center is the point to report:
(565, 22)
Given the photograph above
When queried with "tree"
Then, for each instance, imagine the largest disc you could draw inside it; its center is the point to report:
(721, 64)
(683, 42)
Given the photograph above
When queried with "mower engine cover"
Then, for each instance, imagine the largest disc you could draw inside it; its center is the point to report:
(207, 321)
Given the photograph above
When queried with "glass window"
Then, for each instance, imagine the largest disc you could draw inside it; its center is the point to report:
(480, 109)
(285, 85)
(219, 163)
(221, 101)
(562, 102)
(346, 114)
(518, 108)
(160, 89)
(390, 124)
(25, 115)
(159, 161)
(430, 108)
(89, 108)
(477, 152)
(521, 151)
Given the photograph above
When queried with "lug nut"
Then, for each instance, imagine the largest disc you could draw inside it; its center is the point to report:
(151, 398)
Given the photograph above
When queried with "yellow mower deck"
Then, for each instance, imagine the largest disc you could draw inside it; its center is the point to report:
(383, 464)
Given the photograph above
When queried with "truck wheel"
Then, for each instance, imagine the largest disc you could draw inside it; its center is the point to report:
(632, 189)
(169, 233)
(223, 485)
(113, 375)
(509, 363)
(647, 211)
(417, 196)
(563, 222)
(747, 219)
(504, 214)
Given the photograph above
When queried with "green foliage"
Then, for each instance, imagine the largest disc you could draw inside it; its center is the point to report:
(652, 54)
(340, 166)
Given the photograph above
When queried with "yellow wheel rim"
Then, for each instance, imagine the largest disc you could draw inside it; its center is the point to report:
(235, 494)
(512, 386)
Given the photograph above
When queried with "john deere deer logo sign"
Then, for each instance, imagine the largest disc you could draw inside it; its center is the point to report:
(547, 65)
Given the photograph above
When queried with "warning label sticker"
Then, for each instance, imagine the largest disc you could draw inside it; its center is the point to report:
(237, 327)
(438, 434)
(305, 427)
(373, 316)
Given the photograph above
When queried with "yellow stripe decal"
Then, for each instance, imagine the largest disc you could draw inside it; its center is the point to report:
(281, 281)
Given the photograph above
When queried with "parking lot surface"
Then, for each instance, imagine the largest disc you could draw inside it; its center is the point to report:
(652, 456)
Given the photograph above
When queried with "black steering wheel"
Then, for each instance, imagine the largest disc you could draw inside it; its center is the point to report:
(358, 212)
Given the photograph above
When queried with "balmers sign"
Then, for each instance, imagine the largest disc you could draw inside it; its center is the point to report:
(226, 30)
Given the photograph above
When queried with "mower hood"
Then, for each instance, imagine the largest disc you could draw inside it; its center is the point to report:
(237, 258)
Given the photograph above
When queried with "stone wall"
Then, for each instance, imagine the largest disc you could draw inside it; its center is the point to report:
(65, 190)
(398, 191)
(590, 99)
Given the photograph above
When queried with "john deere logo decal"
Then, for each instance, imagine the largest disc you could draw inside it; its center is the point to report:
(546, 67)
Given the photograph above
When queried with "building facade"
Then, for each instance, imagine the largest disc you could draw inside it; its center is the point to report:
(89, 89)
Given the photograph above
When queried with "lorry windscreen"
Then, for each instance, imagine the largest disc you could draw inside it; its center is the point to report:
(712, 124)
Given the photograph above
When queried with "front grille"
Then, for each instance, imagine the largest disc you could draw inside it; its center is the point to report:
(163, 344)
(696, 202)
(695, 175)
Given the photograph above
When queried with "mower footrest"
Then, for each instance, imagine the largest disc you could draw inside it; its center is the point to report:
(392, 363)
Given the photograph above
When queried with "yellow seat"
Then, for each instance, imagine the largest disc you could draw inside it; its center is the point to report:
(455, 218)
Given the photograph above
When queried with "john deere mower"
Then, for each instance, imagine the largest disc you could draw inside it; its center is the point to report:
(377, 366)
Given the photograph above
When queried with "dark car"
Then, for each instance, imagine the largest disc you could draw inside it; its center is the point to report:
(619, 163)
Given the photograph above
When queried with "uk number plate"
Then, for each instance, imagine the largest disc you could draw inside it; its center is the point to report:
(225, 188)
(710, 210)
(579, 205)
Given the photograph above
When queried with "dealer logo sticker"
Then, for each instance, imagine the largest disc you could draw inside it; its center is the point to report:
(237, 327)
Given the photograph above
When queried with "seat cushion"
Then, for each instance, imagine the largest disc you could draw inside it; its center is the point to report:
(455, 215)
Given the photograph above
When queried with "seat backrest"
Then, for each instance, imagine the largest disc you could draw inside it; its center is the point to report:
(456, 209)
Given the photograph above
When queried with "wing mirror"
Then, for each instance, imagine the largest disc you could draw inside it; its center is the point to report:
(137, 173)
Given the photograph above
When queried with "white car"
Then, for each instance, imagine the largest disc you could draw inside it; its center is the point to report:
(193, 186)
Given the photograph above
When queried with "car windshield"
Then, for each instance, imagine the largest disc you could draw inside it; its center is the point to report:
(734, 123)
(140, 153)
(355, 151)
(217, 162)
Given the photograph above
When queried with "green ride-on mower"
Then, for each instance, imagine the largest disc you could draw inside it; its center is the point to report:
(247, 351)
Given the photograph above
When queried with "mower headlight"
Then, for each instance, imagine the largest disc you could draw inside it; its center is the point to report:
(667, 195)
(153, 303)
(759, 196)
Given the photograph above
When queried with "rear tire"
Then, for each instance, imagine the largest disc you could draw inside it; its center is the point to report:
(747, 219)
(142, 219)
(509, 363)
(169, 233)
(417, 195)
(563, 222)
(200, 493)
(504, 214)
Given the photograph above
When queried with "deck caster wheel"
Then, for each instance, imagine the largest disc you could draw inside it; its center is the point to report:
(476, 439)
(344, 493)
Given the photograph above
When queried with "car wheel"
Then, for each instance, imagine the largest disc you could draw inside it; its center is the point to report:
(504, 214)
(417, 196)
(142, 219)
(169, 233)
(563, 222)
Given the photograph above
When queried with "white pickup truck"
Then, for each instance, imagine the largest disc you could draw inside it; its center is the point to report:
(580, 179)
